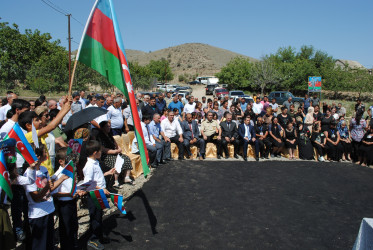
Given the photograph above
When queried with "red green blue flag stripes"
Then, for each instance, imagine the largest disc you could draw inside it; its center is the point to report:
(101, 49)
(23, 146)
(99, 198)
(118, 202)
(4, 176)
(70, 171)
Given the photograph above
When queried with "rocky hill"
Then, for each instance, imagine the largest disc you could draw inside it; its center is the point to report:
(188, 59)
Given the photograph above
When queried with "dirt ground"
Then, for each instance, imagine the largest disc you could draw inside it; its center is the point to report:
(245, 205)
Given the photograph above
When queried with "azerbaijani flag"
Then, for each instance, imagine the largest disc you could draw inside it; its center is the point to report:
(23, 146)
(101, 49)
(70, 171)
(4, 176)
(99, 198)
(118, 202)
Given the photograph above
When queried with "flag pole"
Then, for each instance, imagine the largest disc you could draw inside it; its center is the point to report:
(72, 78)
(80, 46)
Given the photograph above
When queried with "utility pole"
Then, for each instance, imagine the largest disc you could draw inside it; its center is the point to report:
(69, 38)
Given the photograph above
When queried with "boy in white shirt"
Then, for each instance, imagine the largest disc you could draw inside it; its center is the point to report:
(40, 206)
(92, 172)
(66, 204)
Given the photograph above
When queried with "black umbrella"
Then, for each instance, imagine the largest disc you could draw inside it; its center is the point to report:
(84, 116)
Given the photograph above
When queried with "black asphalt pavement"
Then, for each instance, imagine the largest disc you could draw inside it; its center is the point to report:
(250, 205)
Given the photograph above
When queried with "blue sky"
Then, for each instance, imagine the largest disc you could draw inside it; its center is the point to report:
(343, 29)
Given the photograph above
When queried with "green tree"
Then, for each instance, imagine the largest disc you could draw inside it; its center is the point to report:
(264, 75)
(52, 69)
(141, 76)
(161, 70)
(236, 73)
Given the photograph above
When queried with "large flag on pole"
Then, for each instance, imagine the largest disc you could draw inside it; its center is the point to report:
(101, 49)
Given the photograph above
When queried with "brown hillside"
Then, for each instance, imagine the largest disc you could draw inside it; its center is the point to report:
(190, 58)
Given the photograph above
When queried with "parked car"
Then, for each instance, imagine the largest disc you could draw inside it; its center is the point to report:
(210, 88)
(282, 96)
(184, 88)
(248, 99)
(236, 93)
(183, 94)
(194, 83)
(220, 92)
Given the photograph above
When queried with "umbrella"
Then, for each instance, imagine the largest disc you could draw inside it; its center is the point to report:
(84, 116)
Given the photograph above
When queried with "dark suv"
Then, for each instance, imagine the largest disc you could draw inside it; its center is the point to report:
(210, 88)
(282, 96)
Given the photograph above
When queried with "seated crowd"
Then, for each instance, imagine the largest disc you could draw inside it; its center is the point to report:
(262, 128)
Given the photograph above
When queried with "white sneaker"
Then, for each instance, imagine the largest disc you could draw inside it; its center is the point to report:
(322, 158)
(116, 184)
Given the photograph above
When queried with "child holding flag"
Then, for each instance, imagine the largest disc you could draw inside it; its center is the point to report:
(29, 118)
(40, 206)
(92, 172)
(66, 205)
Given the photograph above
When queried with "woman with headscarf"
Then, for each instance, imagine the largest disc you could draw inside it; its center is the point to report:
(110, 151)
(366, 148)
(345, 140)
(309, 119)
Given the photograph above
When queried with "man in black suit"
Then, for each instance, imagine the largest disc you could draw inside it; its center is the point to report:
(150, 109)
(247, 135)
(191, 136)
(228, 133)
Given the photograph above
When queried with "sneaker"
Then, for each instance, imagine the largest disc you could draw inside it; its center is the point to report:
(322, 158)
(95, 244)
(20, 235)
(116, 185)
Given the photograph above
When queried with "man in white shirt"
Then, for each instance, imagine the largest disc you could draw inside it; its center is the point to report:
(82, 100)
(274, 106)
(154, 150)
(116, 117)
(257, 107)
(173, 133)
(6, 108)
(190, 106)
(92, 102)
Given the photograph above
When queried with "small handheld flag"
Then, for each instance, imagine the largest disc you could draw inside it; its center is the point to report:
(99, 198)
(118, 202)
(35, 137)
(4, 176)
(23, 146)
(70, 171)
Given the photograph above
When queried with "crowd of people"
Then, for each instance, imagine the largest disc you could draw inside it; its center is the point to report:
(41, 190)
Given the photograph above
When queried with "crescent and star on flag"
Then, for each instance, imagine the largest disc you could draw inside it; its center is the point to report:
(128, 84)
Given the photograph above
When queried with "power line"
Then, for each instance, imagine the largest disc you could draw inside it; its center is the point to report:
(54, 8)
(60, 10)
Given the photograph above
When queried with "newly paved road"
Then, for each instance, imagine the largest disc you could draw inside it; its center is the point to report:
(233, 205)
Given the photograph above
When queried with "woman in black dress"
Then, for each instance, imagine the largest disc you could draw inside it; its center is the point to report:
(366, 148)
(276, 138)
(318, 140)
(304, 143)
(110, 151)
(335, 148)
(326, 120)
(283, 118)
(290, 139)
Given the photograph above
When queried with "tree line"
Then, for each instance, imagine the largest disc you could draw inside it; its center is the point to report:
(32, 60)
(289, 69)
